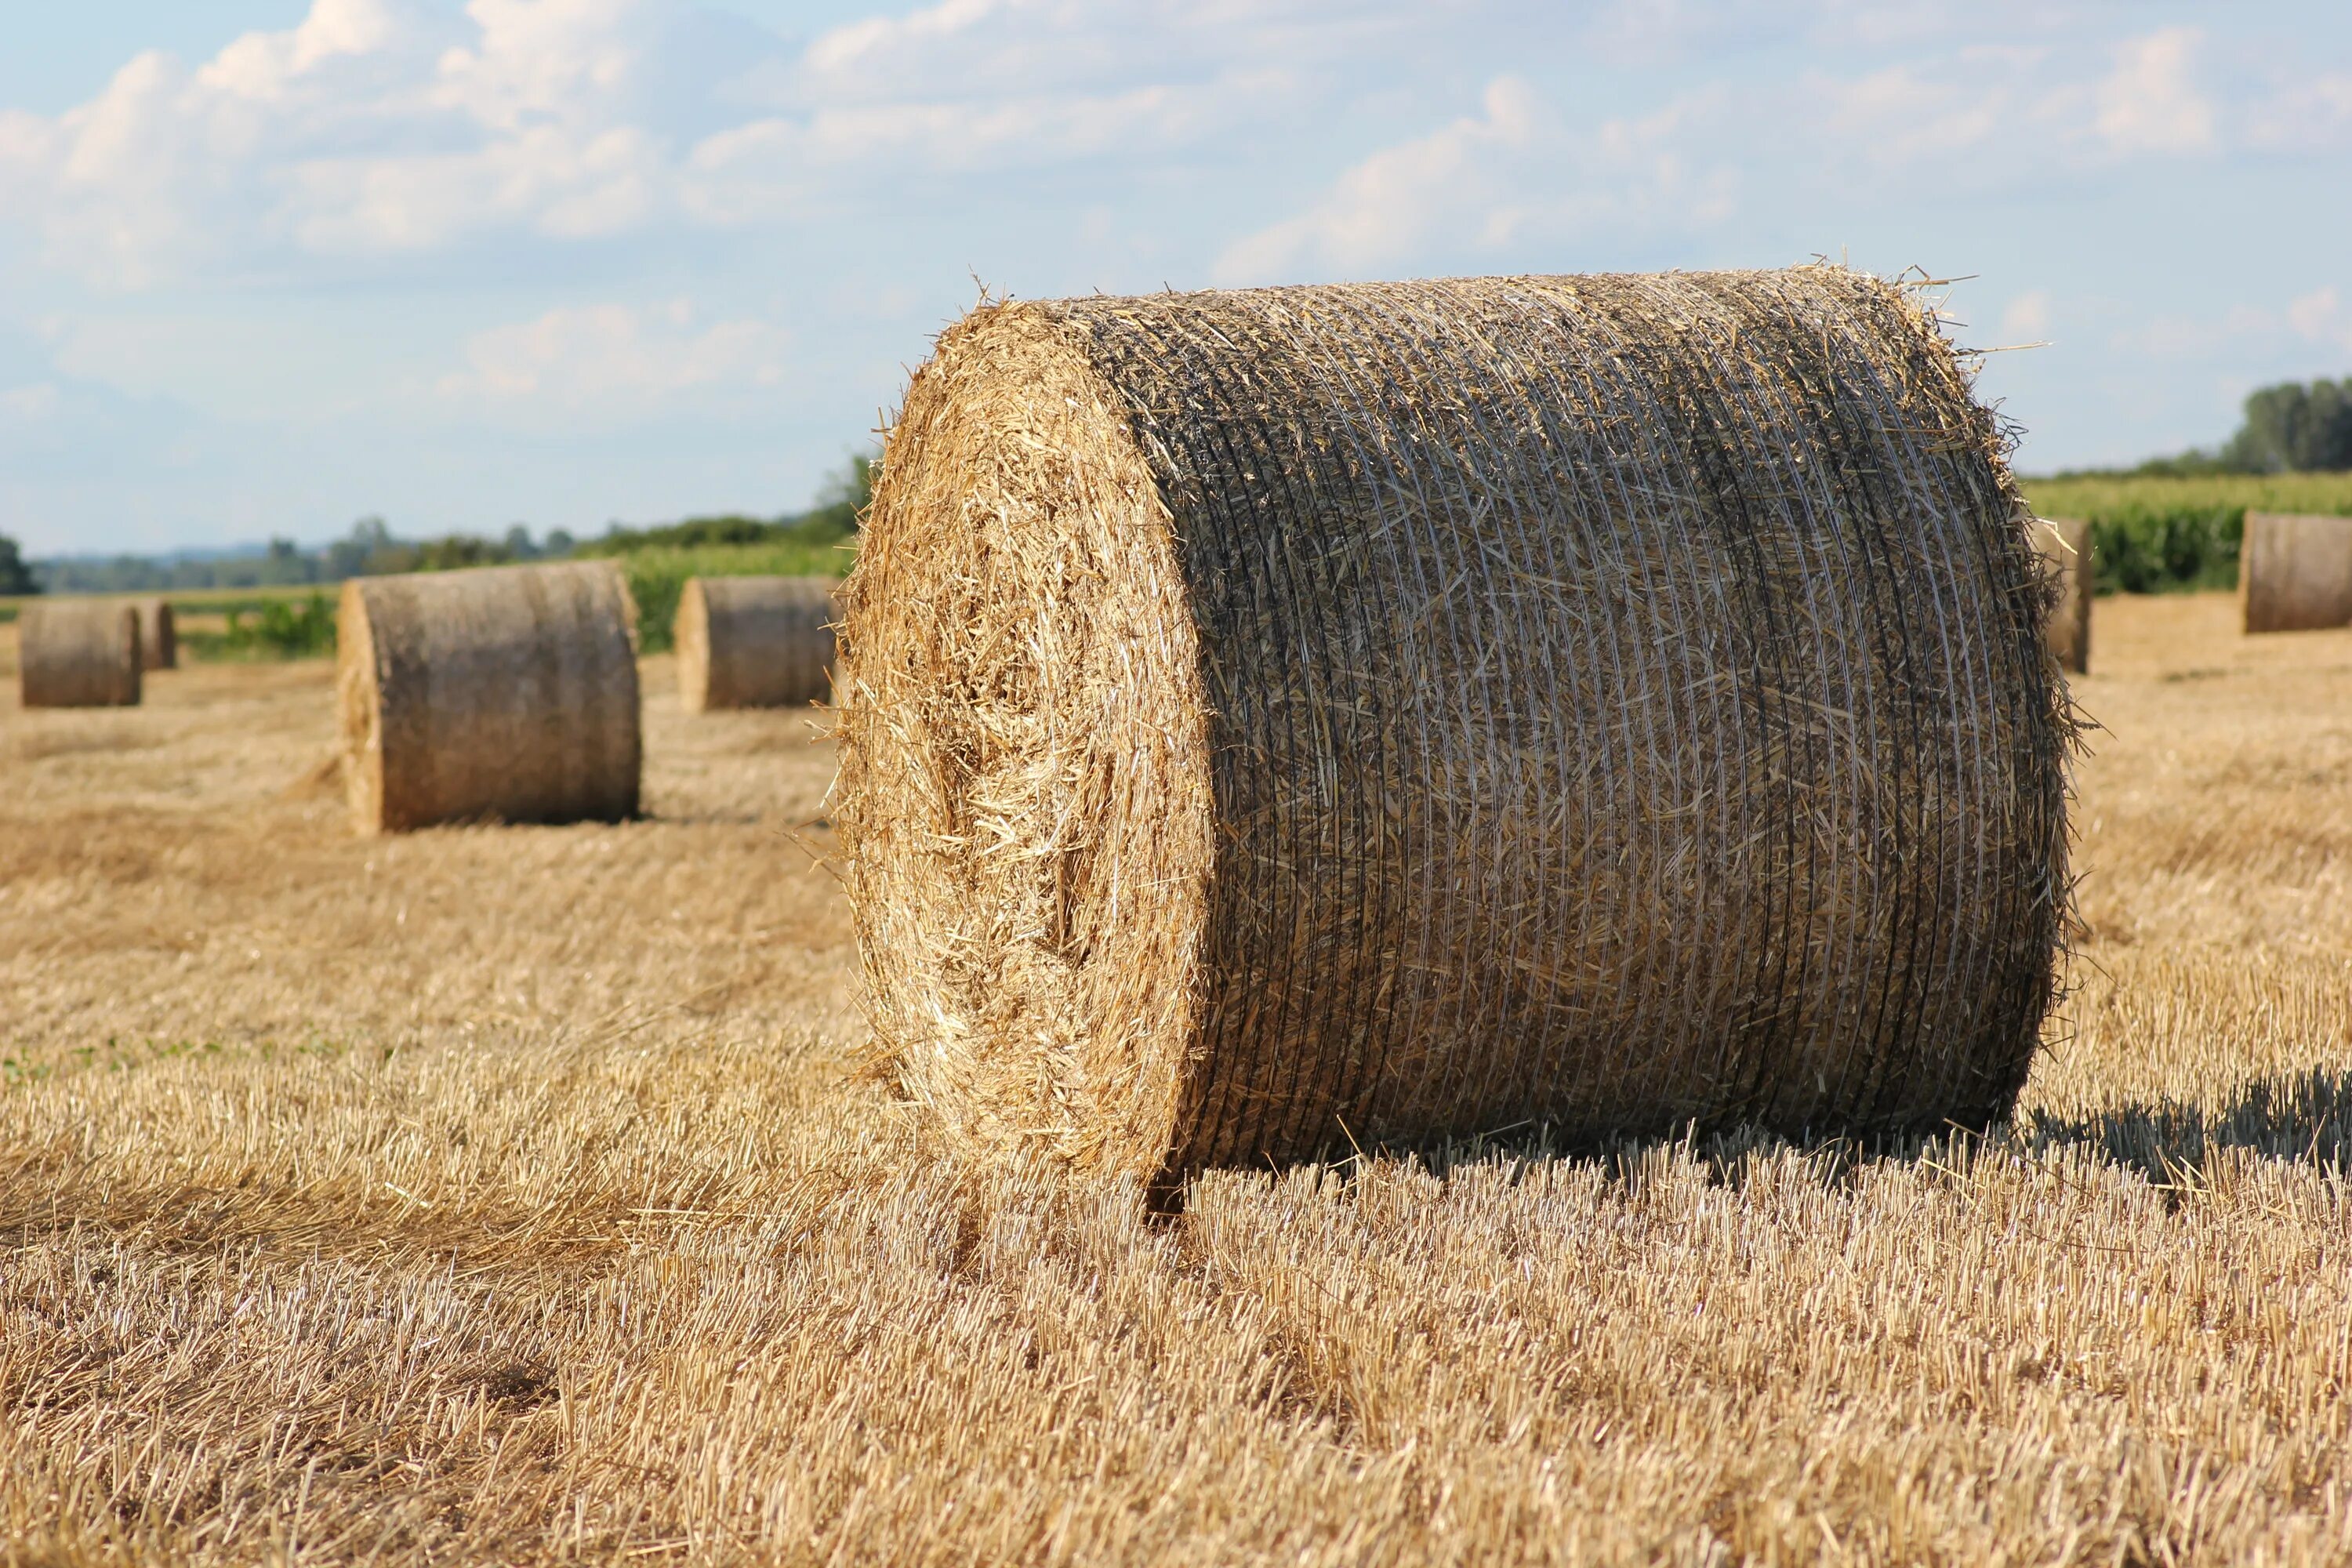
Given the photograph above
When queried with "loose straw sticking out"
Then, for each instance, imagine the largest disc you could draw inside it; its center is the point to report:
(1291, 718)
(2066, 545)
(159, 641)
(508, 695)
(78, 653)
(754, 642)
(2294, 572)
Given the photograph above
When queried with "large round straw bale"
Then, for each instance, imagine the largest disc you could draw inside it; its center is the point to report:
(2066, 544)
(1282, 719)
(78, 653)
(2294, 572)
(508, 694)
(159, 638)
(754, 642)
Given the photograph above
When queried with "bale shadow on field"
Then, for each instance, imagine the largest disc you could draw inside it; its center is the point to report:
(2302, 1117)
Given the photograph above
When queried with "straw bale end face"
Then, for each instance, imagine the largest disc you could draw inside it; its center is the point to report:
(159, 640)
(1025, 757)
(79, 652)
(2294, 572)
(754, 642)
(1280, 720)
(2066, 545)
(507, 695)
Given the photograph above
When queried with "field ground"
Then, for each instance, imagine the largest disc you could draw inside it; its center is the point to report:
(521, 1196)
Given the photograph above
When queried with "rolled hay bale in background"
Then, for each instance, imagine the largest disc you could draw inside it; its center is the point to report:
(2066, 544)
(506, 694)
(78, 653)
(1284, 720)
(754, 642)
(159, 638)
(2295, 573)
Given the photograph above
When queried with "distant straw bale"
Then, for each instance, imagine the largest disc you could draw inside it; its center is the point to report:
(2294, 572)
(506, 694)
(754, 642)
(78, 653)
(2065, 542)
(1291, 719)
(159, 639)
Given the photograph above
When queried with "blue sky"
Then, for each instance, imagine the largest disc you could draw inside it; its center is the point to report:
(268, 265)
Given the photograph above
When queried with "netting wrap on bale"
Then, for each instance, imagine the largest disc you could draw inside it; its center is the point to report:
(159, 638)
(2294, 572)
(506, 694)
(754, 642)
(1281, 720)
(78, 653)
(2066, 544)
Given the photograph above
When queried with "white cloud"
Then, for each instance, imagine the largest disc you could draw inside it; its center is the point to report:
(1511, 172)
(2321, 317)
(614, 358)
(2238, 330)
(2314, 116)
(37, 400)
(873, 42)
(386, 127)
(2150, 103)
(2026, 319)
(1382, 208)
(376, 130)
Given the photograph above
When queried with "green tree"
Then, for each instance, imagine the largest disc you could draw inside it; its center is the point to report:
(16, 577)
(2294, 428)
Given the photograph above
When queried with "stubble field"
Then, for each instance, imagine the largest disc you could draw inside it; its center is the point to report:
(524, 1195)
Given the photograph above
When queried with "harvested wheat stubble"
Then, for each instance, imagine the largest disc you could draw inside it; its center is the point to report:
(2294, 572)
(2066, 544)
(506, 695)
(78, 653)
(1280, 720)
(754, 642)
(159, 639)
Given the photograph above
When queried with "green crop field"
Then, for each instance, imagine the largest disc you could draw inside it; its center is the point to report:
(285, 622)
(2156, 534)
(657, 575)
(194, 601)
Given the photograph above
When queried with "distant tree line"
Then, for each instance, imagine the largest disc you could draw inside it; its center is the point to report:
(2291, 428)
(834, 517)
(372, 549)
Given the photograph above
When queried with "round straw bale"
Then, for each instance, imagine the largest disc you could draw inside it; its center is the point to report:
(506, 694)
(2066, 544)
(1291, 719)
(2294, 572)
(159, 639)
(754, 642)
(78, 653)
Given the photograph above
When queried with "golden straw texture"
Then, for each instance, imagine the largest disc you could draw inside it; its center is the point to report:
(754, 642)
(2066, 544)
(2294, 572)
(78, 653)
(1286, 719)
(507, 695)
(159, 641)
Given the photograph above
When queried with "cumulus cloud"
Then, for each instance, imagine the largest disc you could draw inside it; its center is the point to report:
(615, 357)
(2150, 102)
(2026, 319)
(381, 129)
(2312, 116)
(1384, 205)
(36, 400)
(2320, 316)
(377, 128)
(1514, 170)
